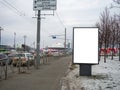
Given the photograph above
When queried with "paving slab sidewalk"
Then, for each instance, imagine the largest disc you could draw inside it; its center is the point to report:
(47, 77)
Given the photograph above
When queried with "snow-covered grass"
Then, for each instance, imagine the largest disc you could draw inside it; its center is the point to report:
(105, 76)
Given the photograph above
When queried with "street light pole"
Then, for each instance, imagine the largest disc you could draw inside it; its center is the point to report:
(14, 40)
(119, 51)
(0, 34)
(24, 42)
(65, 41)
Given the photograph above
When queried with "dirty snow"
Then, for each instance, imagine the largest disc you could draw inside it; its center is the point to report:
(105, 76)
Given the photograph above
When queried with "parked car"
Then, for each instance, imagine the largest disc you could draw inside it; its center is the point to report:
(55, 54)
(11, 57)
(24, 57)
(4, 59)
(28, 56)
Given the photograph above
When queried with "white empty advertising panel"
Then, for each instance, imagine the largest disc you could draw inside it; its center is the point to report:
(85, 45)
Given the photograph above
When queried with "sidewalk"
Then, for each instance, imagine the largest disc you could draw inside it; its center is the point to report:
(46, 78)
(105, 76)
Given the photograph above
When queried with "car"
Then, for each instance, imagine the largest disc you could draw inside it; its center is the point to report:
(24, 57)
(11, 57)
(28, 57)
(55, 53)
(14, 58)
(4, 59)
(41, 55)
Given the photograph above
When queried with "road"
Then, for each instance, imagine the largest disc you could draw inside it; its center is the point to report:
(47, 77)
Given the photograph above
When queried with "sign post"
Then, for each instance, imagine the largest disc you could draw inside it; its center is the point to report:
(119, 51)
(39, 5)
(85, 48)
(38, 39)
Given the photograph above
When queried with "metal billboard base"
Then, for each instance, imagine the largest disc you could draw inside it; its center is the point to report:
(85, 69)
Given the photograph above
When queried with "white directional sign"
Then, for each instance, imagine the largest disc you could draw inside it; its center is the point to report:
(85, 45)
(44, 5)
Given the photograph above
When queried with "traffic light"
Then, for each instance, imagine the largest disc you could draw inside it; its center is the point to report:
(54, 37)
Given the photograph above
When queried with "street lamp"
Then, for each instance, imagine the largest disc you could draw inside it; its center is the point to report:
(65, 41)
(0, 34)
(24, 42)
(14, 40)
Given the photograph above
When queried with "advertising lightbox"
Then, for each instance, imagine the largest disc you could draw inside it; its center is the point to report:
(85, 45)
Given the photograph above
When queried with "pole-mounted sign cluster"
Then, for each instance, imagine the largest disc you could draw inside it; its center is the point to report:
(39, 5)
(44, 5)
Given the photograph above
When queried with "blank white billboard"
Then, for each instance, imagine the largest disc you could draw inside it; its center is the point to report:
(85, 45)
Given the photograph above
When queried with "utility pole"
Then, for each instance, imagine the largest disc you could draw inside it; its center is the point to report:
(39, 5)
(25, 42)
(0, 34)
(119, 51)
(34, 45)
(38, 39)
(14, 40)
(65, 41)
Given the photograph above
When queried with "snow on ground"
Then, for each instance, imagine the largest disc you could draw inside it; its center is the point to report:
(105, 76)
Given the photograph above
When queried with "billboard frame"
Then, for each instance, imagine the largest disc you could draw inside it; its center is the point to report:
(74, 45)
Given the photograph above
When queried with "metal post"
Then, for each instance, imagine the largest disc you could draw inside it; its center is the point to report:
(119, 51)
(38, 39)
(65, 41)
(28, 63)
(14, 40)
(25, 42)
(6, 69)
(0, 34)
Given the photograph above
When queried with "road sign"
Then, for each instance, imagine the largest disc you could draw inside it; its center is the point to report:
(44, 5)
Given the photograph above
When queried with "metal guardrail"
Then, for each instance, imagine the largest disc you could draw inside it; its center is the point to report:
(6, 69)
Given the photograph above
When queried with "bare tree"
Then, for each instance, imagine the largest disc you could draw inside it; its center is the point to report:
(113, 36)
(115, 4)
(109, 29)
(105, 27)
(101, 38)
(116, 1)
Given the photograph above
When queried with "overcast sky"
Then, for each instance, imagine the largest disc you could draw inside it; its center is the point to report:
(72, 13)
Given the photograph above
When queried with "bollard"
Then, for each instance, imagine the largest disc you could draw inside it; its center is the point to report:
(19, 65)
(0, 69)
(6, 64)
(28, 63)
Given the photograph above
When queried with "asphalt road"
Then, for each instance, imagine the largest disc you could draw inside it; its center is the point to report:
(47, 77)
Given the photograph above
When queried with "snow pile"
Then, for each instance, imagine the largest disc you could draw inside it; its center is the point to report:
(105, 76)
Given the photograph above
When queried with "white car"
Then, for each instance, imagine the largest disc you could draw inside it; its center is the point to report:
(55, 54)
(25, 58)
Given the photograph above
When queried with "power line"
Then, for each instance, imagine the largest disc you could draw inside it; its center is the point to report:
(9, 5)
(9, 8)
(60, 20)
(12, 6)
(13, 9)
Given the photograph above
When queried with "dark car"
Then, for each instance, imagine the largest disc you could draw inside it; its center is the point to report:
(3, 59)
